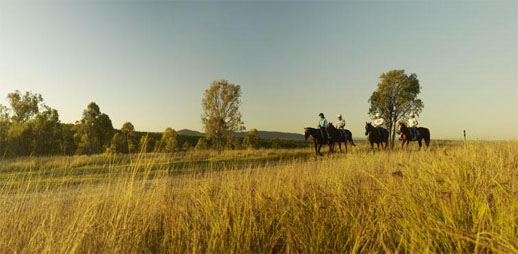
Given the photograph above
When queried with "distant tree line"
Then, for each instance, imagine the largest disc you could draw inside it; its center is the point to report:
(29, 127)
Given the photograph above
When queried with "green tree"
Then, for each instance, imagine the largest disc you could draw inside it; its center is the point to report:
(33, 128)
(168, 142)
(251, 139)
(221, 116)
(201, 145)
(4, 130)
(20, 139)
(95, 132)
(395, 97)
(118, 144)
(128, 131)
(25, 106)
(46, 133)
(68, 146)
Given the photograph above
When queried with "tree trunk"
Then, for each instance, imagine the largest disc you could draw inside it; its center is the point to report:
(393, 136)
(389, 129)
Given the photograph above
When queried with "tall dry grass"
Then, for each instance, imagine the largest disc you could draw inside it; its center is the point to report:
(454, 199)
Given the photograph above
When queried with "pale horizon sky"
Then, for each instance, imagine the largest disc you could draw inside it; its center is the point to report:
(149, 62)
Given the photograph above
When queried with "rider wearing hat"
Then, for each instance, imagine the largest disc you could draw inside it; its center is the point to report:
(340, 125)
(322, 124)
(412, 124)
(378, 124)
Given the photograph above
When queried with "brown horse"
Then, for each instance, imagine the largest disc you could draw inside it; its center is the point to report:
(318, 140)
(406, 136)
(338, 138)
(374, 136)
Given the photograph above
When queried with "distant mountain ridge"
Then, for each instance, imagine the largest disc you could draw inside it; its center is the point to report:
(260, 134)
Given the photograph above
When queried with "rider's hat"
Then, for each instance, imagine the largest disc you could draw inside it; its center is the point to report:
(321, 114)
(339, 116)
(378, 115)
(412, 114)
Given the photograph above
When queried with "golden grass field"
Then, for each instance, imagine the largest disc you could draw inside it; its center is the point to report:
(454, 198)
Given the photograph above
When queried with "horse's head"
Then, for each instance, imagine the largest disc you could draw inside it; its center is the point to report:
(400, 126)
(330, 126)
(306, 133)
(368, 127)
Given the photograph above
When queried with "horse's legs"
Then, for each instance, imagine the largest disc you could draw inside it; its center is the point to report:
(316, 150)
(420, 144)
(378, 144)
(319, 147)
(345, 144)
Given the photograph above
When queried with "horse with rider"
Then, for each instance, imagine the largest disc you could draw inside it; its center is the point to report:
(327, 133)
(376, 132)
(410, 132)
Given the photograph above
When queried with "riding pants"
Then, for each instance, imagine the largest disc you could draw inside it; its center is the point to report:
(414, 132)
(323, 132)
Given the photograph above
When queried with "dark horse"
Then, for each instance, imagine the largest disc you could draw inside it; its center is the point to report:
(339, 138)
(374, 136)
(406, 136)
(318, 140)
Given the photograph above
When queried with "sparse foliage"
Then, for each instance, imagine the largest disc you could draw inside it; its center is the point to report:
(25, 106)
(221, 116)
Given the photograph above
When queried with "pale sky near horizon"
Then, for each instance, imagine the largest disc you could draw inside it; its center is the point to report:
(149, 62)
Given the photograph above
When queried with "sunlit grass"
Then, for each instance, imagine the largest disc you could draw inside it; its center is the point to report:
(451, 199)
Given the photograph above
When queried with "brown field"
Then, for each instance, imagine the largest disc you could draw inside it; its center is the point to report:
(451, 199)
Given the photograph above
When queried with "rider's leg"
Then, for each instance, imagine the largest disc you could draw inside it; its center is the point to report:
(323, 132)
(414, 132)
(380, 132)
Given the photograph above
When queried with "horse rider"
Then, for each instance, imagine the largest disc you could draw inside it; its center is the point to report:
(322, 124)
(412, 124)
(378, 124)
(340, 125)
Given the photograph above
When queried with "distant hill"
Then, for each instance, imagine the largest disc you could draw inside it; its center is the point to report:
(186, 132)
(261, 134)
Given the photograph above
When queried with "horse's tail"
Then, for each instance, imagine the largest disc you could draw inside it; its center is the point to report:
(352, 141)
(426, 135)
(350, 137)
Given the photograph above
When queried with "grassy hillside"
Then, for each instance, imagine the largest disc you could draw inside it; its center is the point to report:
(454, 198)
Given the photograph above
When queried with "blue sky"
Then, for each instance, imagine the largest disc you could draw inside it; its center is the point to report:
(149, 62)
